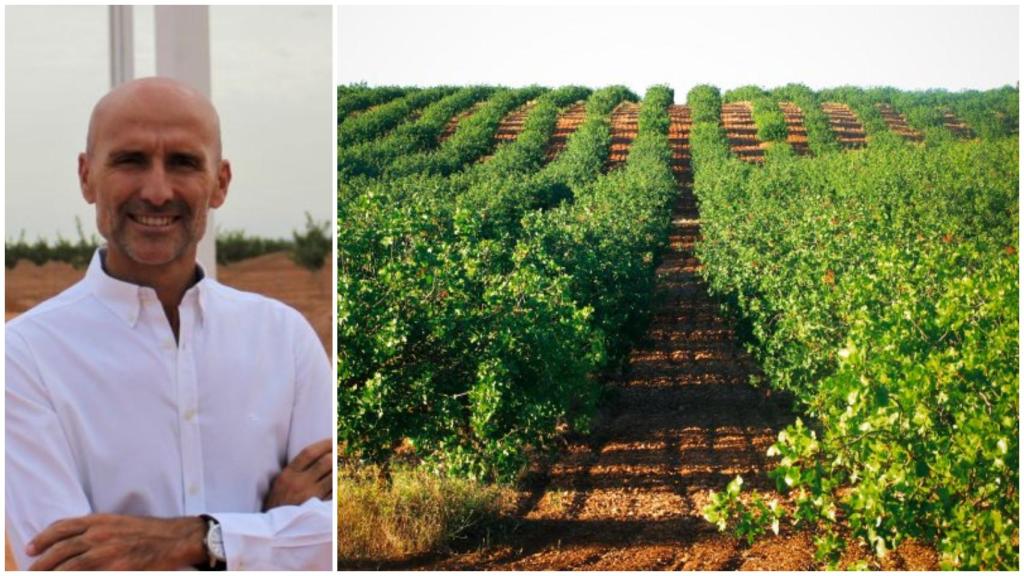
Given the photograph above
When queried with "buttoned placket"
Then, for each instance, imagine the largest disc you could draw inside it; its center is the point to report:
(188, 408)
(182, 368)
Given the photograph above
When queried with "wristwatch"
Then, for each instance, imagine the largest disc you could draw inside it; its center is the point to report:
(214, 544)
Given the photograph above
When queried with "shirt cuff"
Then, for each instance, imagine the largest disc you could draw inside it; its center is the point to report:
(285, 538)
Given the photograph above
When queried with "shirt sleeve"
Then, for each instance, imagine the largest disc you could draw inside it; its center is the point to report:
(41, 483)
(292, 537)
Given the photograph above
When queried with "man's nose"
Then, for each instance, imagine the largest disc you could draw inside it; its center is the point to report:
(156, 188)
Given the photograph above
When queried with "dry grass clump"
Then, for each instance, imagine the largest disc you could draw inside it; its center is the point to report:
(411, 513)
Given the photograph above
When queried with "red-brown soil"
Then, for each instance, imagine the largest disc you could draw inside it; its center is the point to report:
(273, 275)
(738, 122)
(898, 124)
(453, 123)
(679, 126)
(511, 126)
(623, 129)
(796, 132)
(568, 122)
(955, 125)
(848, 130)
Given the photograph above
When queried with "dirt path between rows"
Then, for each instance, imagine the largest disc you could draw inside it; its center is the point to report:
(897, 123)
(738, 123)
(684, 421)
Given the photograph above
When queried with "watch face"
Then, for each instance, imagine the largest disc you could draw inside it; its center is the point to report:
(215, 542)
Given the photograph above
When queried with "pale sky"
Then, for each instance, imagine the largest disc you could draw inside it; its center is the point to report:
(271, 80)
(907, 47)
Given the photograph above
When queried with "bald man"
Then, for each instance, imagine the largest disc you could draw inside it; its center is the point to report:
(156, 419)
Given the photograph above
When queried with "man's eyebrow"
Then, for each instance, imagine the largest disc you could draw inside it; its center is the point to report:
(125, 153)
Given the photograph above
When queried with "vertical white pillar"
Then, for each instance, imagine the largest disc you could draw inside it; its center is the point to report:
(122, 45)
(183, 53)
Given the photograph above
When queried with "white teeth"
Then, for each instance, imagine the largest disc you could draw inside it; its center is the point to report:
(154, 220)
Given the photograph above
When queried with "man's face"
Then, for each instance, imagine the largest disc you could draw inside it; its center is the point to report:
(153, 169)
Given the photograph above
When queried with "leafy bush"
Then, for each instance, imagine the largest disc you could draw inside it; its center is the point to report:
(358, 97)
(311, 248)
(236, 245)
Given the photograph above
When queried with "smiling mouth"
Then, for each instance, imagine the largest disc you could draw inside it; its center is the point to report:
(154, 221)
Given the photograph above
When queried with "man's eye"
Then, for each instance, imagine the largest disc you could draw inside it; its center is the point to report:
(185, 162)
(129, 160)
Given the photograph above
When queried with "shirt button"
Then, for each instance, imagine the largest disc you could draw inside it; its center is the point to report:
(169, 344)
(190, 415)
(193, 489)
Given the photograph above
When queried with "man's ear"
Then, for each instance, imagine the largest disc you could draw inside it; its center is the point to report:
(223, 181)
(83, 178)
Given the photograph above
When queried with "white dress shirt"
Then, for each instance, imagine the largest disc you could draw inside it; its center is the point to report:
(107, 414)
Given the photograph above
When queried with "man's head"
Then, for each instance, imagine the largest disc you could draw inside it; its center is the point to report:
(153, 167)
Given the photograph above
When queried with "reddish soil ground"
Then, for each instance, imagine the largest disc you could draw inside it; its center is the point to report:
(797, 133)
(679, 139)
(273, 275)
(738, 121)
(898, 124)
(956, 125)
(623, 128)
(569, 121)
(511, 126)
(848, 130)
(453, 123)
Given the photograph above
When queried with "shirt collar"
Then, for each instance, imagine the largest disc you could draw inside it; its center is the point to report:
(125, 299)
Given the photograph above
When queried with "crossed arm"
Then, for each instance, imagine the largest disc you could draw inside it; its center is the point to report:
(114, 542)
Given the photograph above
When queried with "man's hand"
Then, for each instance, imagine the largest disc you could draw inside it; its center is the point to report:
(308, 475)
(111, 542)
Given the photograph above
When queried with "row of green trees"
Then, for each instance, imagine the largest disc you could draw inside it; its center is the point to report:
(881, 288)
(358, 97)
(375, 123)
(370, 158)
(308, 248)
